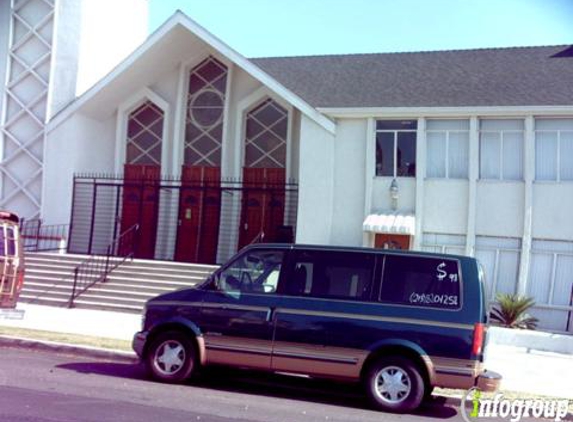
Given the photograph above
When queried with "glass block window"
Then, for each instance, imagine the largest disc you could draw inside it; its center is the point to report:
(447, 148)
(444, 243)
(396, 148)
(205, 114)
(500, 257)
(266, 136)
(144, 134)
(554, 149)
(550, 283)
(501, 149)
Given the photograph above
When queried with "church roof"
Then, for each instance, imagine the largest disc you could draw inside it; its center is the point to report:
(519, 76)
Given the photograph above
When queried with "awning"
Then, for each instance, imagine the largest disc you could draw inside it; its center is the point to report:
(391, 222)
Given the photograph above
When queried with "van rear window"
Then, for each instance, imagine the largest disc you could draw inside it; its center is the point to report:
(421, 281)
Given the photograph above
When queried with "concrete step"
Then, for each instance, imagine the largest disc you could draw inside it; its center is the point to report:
(49, 280)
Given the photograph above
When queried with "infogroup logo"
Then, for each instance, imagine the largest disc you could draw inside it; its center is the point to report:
(512, 410)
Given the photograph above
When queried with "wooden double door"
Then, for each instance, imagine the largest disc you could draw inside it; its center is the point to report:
(262, 209)
(263, 205)
(140, 205)
(199, 215)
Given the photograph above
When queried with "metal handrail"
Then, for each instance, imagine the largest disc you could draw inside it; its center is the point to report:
(258, 238)
(96, 268)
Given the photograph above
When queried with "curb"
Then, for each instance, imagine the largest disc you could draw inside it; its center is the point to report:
(53, 346)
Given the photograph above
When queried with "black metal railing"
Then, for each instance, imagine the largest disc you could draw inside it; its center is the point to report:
(223, 213)
(258, 238)
(96, 268)
(40, 237)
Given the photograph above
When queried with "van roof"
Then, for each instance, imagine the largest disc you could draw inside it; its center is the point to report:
(351, 249)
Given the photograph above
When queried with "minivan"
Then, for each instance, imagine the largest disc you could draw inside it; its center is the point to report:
(399, 322)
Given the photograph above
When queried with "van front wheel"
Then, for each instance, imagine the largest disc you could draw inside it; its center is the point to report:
(394, 384)
(171, 357)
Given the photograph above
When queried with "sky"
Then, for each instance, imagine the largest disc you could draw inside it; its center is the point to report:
(264, 28)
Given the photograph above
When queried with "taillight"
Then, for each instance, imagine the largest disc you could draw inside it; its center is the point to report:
(479, 334)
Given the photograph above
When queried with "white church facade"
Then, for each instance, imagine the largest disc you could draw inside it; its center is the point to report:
(467, 152)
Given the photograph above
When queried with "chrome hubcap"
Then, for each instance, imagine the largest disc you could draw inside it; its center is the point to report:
(169, 357)
(392, 384)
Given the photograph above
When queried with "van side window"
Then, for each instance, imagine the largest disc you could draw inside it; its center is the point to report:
(421, 281)
(253, 272)
(339, 275)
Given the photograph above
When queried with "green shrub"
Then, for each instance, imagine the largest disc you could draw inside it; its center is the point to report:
(511, 311)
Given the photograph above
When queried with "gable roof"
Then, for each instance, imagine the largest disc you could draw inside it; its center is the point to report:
(163, 50)
(520, 76)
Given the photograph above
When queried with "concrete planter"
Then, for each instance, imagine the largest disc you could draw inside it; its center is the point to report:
(529, 339)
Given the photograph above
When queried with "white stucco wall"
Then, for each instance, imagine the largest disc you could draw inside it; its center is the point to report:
(79, 145)
(445, 206)
(4, 37)
(316, 189)
(500, 209)
(126, 26)
(349, 189)
(65, 52)
(553, 211)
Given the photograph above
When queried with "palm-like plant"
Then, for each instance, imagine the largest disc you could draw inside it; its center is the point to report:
(511, 311)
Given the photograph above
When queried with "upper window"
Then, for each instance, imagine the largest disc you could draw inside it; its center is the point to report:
(554, 149)
(419, 281)
(396, 148)
(205, 114)
(253, 272)
(447, 148)
(339, 275)
(144, 134)
(501, 149)
(266, 136)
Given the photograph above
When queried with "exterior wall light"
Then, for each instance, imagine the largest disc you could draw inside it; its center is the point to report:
(394, 194)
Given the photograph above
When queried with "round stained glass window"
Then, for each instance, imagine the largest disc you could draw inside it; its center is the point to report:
(206, 108)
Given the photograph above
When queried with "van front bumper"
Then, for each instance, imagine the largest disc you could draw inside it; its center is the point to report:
(488, 381)
(138, 343)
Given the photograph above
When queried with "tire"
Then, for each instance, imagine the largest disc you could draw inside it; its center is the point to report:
(394, 384)
(171, 357)
(429, 389)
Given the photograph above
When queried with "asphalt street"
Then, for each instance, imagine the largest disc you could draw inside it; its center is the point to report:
(41, 386)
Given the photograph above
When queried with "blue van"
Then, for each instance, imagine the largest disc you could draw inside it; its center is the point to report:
(399, 322)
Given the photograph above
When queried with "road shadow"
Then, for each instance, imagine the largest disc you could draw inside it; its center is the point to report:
(115, 369)
(264, 384)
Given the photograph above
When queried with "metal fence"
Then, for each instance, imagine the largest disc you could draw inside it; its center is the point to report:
(179, 220)
(40, 237)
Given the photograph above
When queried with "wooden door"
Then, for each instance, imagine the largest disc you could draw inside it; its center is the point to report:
(263, 205)
(392, 241)
(199, 215)
(141, 206)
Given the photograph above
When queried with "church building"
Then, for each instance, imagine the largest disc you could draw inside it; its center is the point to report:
(467, 152)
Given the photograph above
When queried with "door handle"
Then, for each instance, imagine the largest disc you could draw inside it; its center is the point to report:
(271, 313)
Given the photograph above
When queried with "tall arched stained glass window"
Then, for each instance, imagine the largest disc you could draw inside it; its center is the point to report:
(144, 134)
(266, 136)
(205, 114)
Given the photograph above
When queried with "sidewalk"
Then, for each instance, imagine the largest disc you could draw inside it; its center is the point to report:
(524, 370)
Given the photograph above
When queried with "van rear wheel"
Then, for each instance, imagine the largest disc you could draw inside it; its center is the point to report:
(394, 384)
